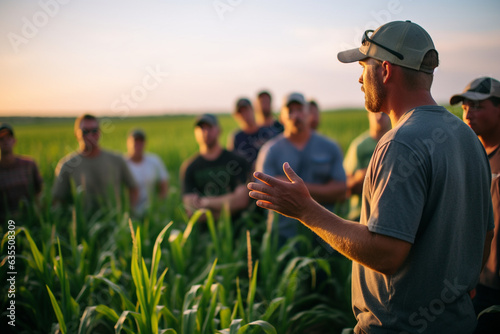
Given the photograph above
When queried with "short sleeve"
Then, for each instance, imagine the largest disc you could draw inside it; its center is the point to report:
(397, 194)
(162, 171)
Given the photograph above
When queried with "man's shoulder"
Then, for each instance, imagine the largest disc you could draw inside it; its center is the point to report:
(362, 138)
(229, 155)
(427, 122)
(276, 142)
(494, 159)
(151, 157)
(112, 155)
(191, 161)
(70, 158)
(23, 160)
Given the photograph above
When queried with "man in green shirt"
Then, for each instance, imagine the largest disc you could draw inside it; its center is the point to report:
(358, 158)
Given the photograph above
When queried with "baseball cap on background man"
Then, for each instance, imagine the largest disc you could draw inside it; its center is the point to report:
(138, 134)
(206, 119)
(6, 129)
(294, 97)
(402, 43)
(479, 89)
(243, 102)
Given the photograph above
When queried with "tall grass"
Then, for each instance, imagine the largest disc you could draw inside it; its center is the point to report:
(96, 274)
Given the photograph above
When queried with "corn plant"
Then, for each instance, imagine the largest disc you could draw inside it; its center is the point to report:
(148, 287)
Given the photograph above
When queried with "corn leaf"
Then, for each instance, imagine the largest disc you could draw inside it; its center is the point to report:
(108, 312)
(265, 326)
(251, 292)
(189, 322)
(57, 310)
(208, 324)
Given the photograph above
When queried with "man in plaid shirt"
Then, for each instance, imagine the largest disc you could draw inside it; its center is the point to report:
(20, 180)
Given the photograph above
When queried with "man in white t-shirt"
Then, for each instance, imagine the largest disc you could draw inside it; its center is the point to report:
(148, 170)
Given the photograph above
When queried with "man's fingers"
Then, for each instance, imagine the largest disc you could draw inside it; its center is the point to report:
(260, 196)
(290, 173)
(262, 188)
(267, 205)
(267, 179)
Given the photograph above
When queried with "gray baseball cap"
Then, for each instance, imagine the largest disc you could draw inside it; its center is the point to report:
(243, 102)
(137, 134)
(402, 43)
(477, 90)
(294, 97)
(206, 119)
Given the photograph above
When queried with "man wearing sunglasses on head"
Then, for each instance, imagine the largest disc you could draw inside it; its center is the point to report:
(426, 217)
(97, 174)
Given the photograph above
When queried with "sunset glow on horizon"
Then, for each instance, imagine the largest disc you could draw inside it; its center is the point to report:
(59, 58)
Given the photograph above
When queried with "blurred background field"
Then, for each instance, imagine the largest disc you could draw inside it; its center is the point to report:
(104, 274)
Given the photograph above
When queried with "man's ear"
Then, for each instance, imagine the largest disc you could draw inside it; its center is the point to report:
(387, 71)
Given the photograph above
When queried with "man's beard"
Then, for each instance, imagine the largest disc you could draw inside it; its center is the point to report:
(375, 95)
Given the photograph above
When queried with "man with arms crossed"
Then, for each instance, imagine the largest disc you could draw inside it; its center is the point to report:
(419, 246)
(214, 177)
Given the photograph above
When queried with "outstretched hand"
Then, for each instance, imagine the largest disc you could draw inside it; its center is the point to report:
(287, 197)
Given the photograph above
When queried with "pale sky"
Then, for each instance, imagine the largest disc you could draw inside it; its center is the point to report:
(131, 57)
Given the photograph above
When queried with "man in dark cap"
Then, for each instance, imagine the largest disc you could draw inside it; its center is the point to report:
(214, 177)
(247, 141)
(481, 112)
(20, 180)
(417, 251)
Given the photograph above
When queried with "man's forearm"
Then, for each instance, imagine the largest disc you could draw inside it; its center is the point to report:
(237, 200)
(378, 252)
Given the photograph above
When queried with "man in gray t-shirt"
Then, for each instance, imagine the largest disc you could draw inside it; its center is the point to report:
(426, 218)
(96, 173)
(315, 158)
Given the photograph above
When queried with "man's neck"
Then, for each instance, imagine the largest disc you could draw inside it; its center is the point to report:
(406, 102)
(490, 144)
(7, 159)
(299, 139)
(268, 121)
(136, 157)
(250, 128)
(211, 153)
(90, 153)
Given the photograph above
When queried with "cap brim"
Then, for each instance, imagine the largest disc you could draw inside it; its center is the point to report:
(296, 101)
(350, 56)
(468, 95)
(5, 132)
(204, 121)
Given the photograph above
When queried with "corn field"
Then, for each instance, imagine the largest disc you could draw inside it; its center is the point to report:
(168, 273)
